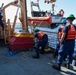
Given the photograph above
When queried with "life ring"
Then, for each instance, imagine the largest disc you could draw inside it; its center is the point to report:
(61, 12)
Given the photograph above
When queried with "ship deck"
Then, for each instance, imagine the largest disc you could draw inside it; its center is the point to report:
(22, 63)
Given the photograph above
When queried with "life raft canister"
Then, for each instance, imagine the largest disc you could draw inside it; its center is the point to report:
(71, 34)
(40, 35)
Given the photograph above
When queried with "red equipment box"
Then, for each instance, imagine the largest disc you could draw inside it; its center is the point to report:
(21, 42)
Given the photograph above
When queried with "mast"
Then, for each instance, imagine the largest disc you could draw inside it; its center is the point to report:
(25, 15)
(53, 5)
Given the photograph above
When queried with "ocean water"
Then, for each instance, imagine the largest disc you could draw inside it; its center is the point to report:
(53, 40)
(18, 27)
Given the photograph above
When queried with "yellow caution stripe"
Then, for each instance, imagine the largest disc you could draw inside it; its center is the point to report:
(24, 35)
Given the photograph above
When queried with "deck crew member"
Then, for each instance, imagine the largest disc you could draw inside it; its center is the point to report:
(33, 25)
(1, 21)
(67, 43)
(60, 31)
(1, 11)
(42, 39)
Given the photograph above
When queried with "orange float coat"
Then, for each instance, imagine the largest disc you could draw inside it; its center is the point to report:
(71, 34)
(40, 35)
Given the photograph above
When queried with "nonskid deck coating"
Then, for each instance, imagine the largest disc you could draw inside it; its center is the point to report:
(23, 64)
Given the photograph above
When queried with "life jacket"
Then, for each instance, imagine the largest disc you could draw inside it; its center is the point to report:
(40, 35)
(60, 32)
(71, 33)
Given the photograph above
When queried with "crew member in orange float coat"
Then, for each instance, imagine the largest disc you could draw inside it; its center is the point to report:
(42, 40)
(67, 43)
(60, 31)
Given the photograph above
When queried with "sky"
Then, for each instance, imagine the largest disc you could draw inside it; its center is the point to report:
(69, 7)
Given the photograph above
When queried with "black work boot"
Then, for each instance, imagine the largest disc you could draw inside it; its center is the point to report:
(36, 56)
(67, 65)
(42, 52)
(54, 55)
(57, 67)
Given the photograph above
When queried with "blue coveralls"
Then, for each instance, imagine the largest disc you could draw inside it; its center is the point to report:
(41, 43)
(1, 22)
(0, 12)
(66, 49)
(58, 43)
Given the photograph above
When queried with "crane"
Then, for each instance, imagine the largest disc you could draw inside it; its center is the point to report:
(22, 4)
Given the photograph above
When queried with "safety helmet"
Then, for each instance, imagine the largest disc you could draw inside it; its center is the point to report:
(71, 16)
(36, 30)
(63, 21)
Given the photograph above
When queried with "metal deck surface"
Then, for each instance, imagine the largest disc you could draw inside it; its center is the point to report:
(23, 64)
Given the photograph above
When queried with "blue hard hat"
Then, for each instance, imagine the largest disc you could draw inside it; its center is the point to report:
(63, 21)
